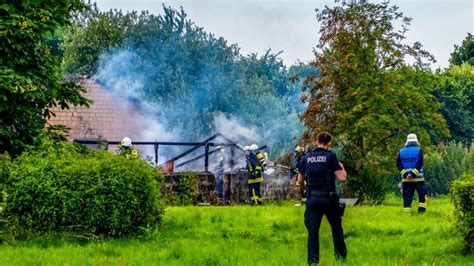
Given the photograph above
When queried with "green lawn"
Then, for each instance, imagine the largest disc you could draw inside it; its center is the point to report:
(266, 235)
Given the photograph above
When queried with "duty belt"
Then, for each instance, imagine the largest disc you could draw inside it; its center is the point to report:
(324, 194)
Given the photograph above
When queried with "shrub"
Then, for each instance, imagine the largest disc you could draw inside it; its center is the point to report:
(5, 162)
(71, 187)
(463, 197)
(186, 190)
(445, 164)
(368, 186)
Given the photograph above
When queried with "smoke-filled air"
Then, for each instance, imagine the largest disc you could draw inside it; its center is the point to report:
(195, 84)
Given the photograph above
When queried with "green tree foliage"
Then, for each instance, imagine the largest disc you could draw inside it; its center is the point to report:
(167, 63)
(455, 90)
(30, 83)
(93, 33)
(69, 187)
(366, 95)
(463, 53)
(447, 163)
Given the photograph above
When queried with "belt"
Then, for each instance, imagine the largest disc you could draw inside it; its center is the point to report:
(324, 194)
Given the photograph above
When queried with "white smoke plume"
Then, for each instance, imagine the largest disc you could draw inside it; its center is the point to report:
(234, 130)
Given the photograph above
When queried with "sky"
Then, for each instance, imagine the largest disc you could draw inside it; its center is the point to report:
(291, 26)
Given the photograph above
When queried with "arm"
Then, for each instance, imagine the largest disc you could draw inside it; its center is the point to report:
(301, 181)
(402, 170)
(399, 163)
(419, 165)
(338, 168)
(341, 174)
(415, 171)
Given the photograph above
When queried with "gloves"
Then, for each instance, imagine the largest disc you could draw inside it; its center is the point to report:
(407, 175)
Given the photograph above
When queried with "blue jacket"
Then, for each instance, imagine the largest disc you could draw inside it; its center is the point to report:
(410, 161)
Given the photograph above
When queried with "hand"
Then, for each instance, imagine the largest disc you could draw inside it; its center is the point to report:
(407, 175)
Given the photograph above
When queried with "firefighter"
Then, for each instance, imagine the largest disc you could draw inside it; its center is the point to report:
(410, 165)
(262, 157)
(319, 169)
(255, 170)
(298, 160)
(125, 149)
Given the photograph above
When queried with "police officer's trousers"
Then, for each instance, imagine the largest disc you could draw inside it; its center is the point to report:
(316, 208)
(408, 192)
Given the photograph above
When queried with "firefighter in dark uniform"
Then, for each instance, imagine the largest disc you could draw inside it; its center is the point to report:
(298, 160)
(125, 149)
(410, 165)
(319, 169)
(255, 170)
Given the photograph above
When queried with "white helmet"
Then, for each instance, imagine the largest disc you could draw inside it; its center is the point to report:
(246, 148)
(253, 147)
(411, 138)
(126, 142)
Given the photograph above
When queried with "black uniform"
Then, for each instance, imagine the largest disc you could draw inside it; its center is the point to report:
(297, 165)
(318, 168)
(255, 170)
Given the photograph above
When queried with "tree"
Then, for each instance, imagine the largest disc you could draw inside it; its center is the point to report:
(366, 94)
(93, 33)
(463, 53)
(190, 79)
(29, 79)
(455, 90)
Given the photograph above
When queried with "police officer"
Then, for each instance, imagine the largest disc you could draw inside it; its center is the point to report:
(319, 169)
(410, 165)
(255, 171)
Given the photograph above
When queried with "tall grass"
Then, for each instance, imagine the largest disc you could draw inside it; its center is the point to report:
(273, 234)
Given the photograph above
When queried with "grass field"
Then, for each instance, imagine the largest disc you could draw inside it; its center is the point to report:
(273, 234)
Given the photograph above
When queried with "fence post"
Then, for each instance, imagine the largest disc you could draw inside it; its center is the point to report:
(156, 153)
(232, 154)
(206, 157)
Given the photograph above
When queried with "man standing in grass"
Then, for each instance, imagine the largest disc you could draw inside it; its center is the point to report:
(410, 165)
(319, 169)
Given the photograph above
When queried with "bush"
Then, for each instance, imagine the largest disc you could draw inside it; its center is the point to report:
(71, 187)
(186, 190)
(463, 197)
(446, 164)
(368, 186)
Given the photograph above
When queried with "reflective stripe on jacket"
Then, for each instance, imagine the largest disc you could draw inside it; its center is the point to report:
(409, 159)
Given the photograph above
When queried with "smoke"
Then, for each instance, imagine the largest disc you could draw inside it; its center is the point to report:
(188, 85)
(233, 129)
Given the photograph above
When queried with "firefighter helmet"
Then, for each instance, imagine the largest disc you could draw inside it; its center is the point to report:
(411, 138)
(253, 147)
(126, 142)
